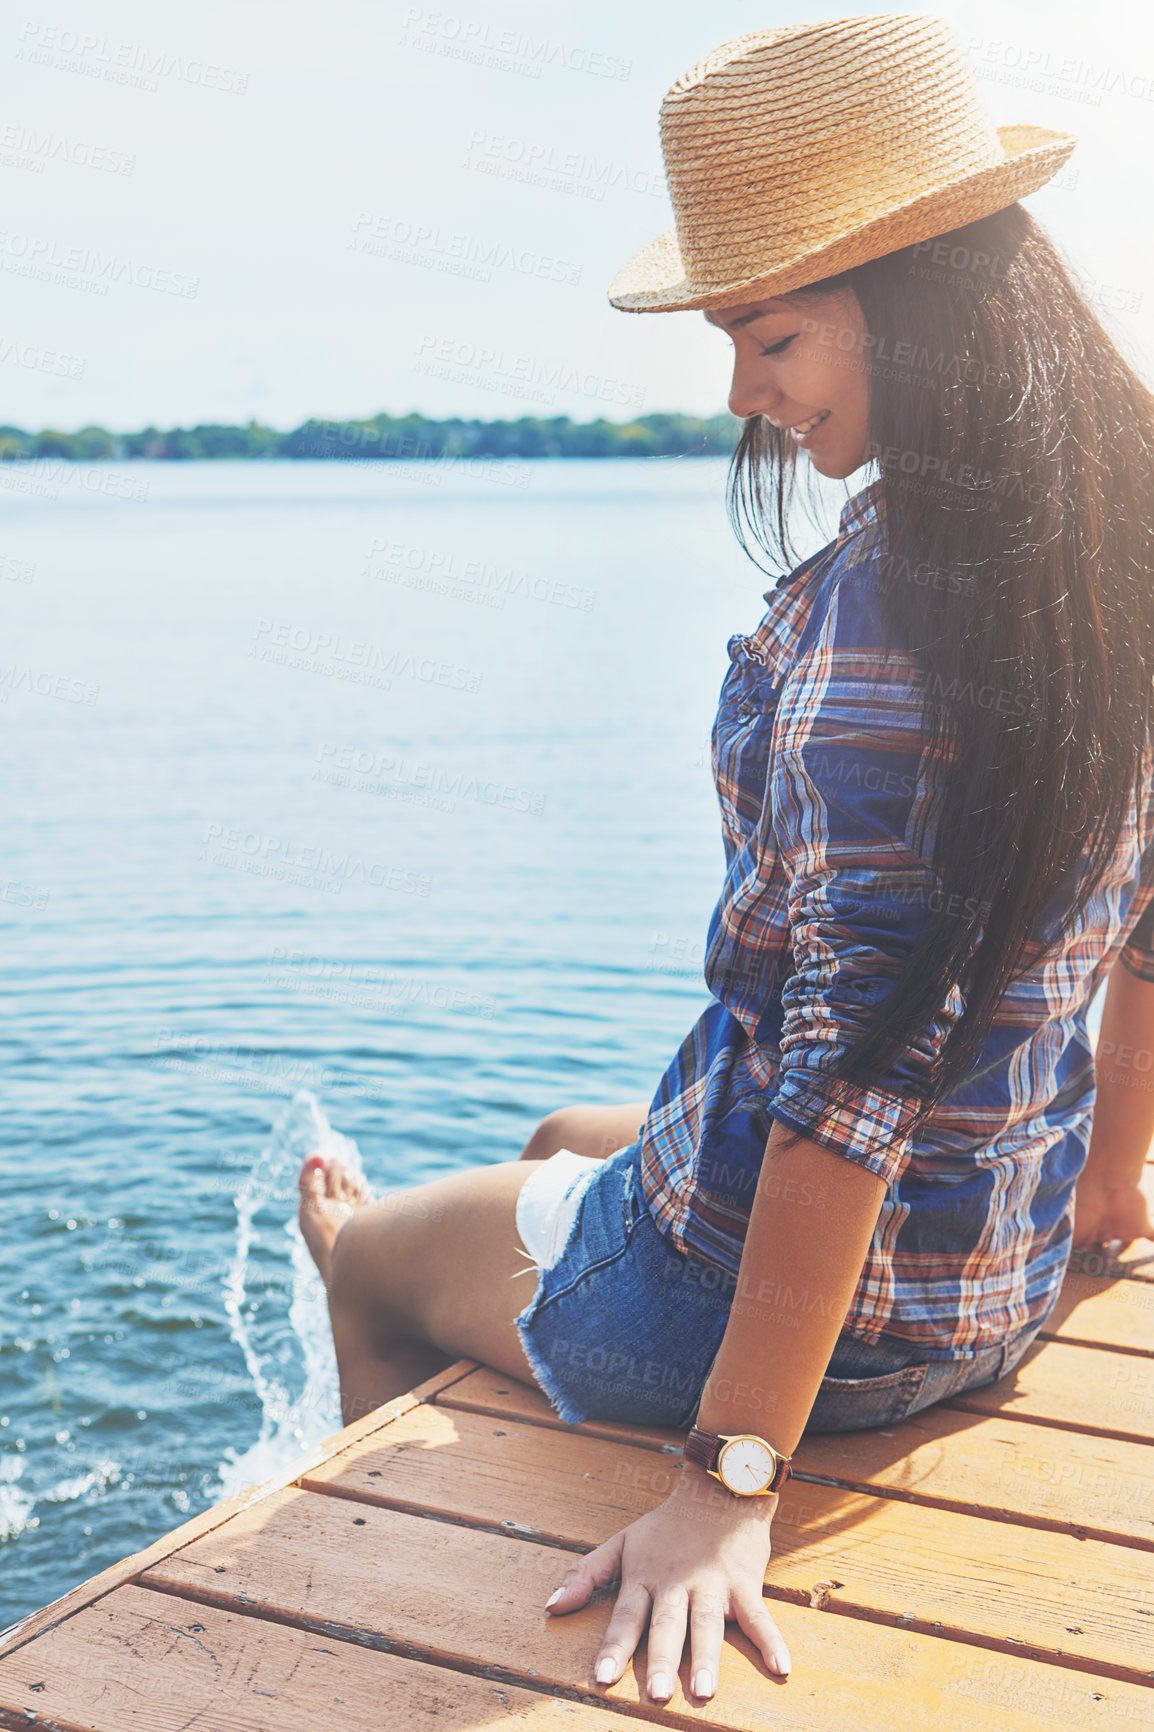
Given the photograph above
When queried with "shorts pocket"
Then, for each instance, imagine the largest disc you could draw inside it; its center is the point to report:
(856, 1403)
(600, 1234)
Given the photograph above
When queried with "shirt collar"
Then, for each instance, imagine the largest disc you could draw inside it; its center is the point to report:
(865, 507)
(868, 506)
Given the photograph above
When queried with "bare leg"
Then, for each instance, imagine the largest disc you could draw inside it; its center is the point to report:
(436, 1272)
(593, 1131)
(418, 1279)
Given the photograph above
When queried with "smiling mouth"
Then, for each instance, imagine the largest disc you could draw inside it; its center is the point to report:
(804, 427)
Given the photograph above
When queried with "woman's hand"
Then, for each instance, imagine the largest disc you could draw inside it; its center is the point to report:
(1105, 1213)
(697, 1559)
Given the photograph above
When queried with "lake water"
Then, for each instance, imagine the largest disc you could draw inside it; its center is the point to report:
(384, 789)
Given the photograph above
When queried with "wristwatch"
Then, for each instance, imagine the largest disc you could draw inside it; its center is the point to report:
(746, 1465)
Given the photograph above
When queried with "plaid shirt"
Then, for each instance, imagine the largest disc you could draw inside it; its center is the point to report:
(828, 798)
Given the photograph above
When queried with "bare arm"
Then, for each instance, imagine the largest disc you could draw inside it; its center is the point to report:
(809, 1229)
(1124, 1073)
(1109, 1205)
(701, 1556)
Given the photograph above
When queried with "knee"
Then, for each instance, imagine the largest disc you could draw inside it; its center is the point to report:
(553, 1133)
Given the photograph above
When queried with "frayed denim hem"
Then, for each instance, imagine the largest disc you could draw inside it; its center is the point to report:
(567, 1412)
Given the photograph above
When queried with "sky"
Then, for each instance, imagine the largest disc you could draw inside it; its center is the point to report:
(275, 209)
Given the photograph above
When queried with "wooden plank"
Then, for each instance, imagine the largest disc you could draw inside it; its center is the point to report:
(1074, 1388)
(484, 1390)
(1135, 1263)
(1081, 1484)
(998, 1468)
(1095, 1312)
(128, 1568)
(1043, 1594)
(145, 1662)
(474, 1599)
(1090, 1389)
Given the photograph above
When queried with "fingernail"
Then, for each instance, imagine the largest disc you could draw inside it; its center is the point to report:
(553, 1598)
(606, 1672)
(703, 1682)
(661, 1686)
(781, 1663)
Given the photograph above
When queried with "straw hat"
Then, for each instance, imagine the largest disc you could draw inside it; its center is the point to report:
(792, 154)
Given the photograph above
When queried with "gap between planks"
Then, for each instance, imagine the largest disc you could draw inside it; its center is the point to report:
(381, 1580)
(457, 1468)
(404, 1647)
(444, 1395)
(27, 1629)
(1089, 1391)
(986, 1462)
(122, 1649)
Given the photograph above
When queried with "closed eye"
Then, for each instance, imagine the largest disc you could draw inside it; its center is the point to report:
(776, 348)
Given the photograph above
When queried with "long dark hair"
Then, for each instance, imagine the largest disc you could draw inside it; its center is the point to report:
(1014, 447)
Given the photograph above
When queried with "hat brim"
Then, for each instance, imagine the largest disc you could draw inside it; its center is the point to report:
(655, 281)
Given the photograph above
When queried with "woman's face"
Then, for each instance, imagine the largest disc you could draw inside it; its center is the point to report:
(792, 364)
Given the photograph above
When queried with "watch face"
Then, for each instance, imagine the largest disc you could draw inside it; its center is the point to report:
(746, 1465)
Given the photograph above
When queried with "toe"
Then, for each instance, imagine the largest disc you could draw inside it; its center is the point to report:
(326, 1179)
(351, 1187)
(312, 1178)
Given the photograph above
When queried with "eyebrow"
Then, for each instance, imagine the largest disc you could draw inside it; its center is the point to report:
(746, 319)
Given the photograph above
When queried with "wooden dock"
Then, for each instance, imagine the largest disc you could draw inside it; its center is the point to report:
(988, 1564)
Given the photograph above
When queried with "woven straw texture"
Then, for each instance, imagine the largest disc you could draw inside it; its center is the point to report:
(795, 153)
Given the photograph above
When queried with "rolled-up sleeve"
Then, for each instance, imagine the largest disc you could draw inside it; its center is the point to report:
(1137, 952)
(852, 793)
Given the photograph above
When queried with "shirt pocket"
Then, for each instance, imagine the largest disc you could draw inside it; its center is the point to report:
(741, 740)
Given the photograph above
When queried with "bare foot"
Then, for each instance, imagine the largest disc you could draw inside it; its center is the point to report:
(330, 1193)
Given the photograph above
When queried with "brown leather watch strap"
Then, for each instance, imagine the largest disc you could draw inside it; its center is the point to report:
(703, 1448)
(784, 1469)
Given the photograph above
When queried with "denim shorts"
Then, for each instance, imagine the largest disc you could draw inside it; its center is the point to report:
(623, 1327)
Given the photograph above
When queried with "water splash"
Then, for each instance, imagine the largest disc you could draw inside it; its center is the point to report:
(16, 1505)
(292, 1419)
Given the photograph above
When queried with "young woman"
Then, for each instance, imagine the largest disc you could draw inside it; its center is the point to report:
(852, 1193)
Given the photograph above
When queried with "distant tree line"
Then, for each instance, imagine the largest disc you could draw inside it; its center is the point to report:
(389, 438)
